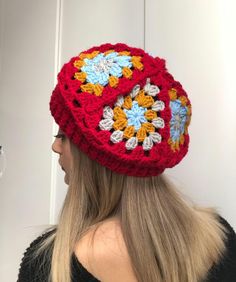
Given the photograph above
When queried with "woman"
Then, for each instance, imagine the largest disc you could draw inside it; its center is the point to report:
(122, 120)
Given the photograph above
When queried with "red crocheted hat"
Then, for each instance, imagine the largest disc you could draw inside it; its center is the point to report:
(122, 108)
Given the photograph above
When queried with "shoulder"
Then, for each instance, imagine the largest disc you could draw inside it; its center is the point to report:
(225, 270)
(104, 254)
(28, 270)
(230, 239)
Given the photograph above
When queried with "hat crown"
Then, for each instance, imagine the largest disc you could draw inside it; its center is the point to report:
(120, 105)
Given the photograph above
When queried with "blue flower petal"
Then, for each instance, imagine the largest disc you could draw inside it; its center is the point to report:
(143, 110)
(92, 78)
(137, 125)
(183, 111)
(111, 55)
(123, 61)
(103, 78)
(143, 119)
(88, 62)
(174, 134)
(175, 106)
(116, 70)
(87, 69)
(181, 129)
(129, 114)
(98, 58)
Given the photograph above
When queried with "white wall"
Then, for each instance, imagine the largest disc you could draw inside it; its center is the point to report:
(37, 37)
(197, 40)
(26, 79)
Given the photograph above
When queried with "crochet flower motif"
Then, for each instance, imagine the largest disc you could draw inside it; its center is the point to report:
(99, 68)
(96, 70)
(134, 118)
(180, 118)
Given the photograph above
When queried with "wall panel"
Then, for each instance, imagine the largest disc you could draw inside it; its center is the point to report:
(195, 37)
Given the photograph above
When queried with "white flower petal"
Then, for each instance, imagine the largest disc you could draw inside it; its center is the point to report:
(158, 106)
(158, 122)
(135, 91)
(151, 89)
(131, 143)
(154, 90)
(116, 136)
(147, 86)
(147, 143)
(106, 124)
(155, 136)
(108, 112)
(120, 101)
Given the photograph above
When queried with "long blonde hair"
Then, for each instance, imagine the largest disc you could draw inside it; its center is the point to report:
(167, 238)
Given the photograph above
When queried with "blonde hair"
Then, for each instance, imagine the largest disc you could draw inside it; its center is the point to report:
(167, 238)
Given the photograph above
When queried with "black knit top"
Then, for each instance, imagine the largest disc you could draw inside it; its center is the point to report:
(38, 270)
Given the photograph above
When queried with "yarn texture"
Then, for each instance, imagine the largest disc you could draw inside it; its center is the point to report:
(122, 108)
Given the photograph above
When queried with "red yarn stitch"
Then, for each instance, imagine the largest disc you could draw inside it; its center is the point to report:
(79, 113)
